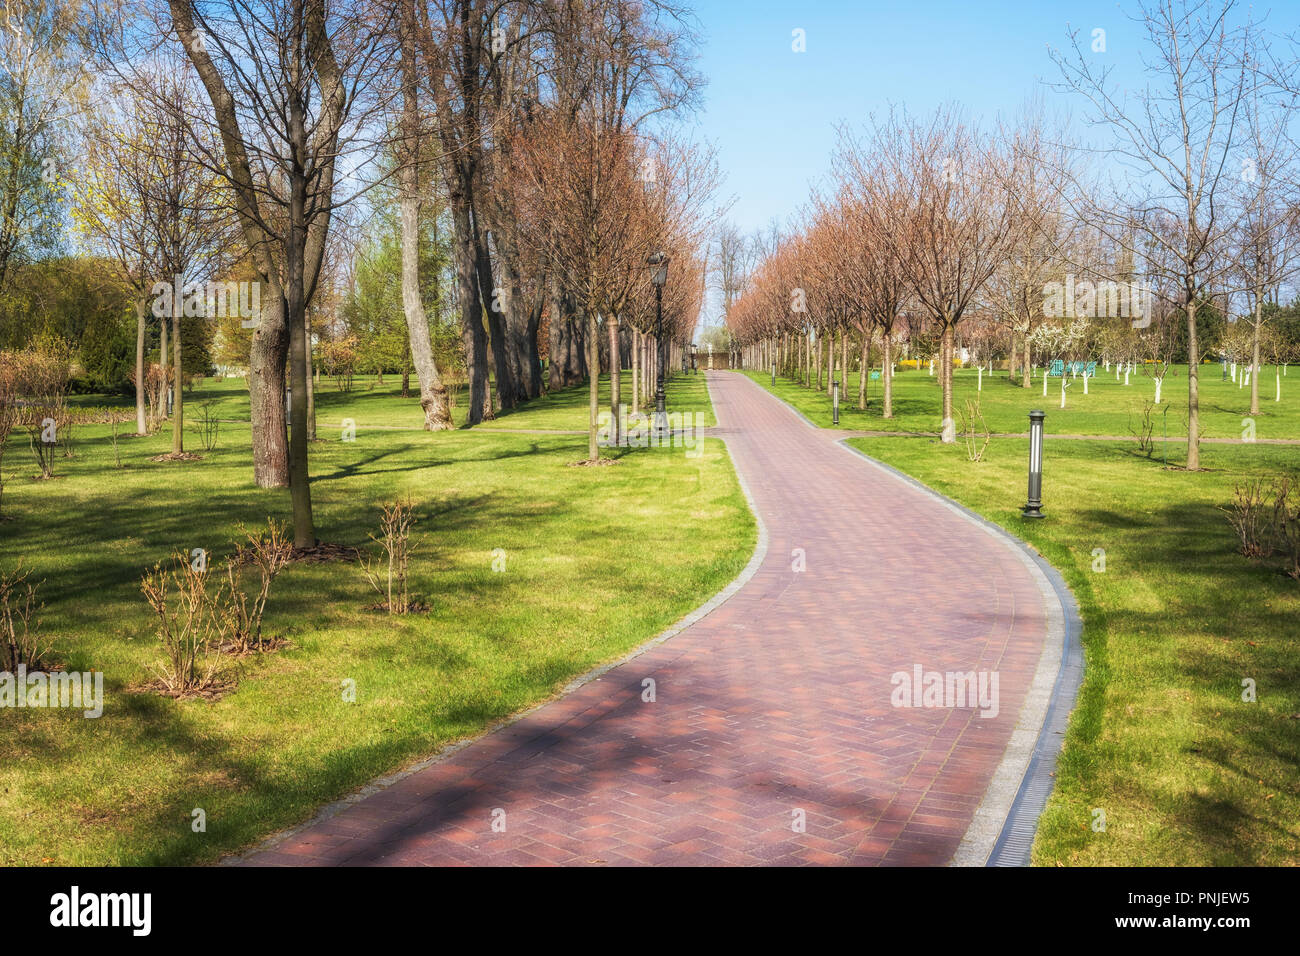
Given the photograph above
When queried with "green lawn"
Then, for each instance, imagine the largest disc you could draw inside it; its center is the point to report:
(1161, 741)
(371, 404)
(594, 566)
(1109, 408)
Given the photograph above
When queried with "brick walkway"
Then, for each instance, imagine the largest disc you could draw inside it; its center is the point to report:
(774, 707)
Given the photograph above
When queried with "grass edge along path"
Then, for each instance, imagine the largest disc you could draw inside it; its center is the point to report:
(1164, 762)
(592, 571)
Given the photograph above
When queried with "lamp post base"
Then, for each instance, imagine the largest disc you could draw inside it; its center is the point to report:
(1032, 511)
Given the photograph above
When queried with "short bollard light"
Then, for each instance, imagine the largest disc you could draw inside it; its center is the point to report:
(1034, 507)
(835, 402)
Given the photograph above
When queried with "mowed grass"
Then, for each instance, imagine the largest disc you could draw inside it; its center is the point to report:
(1110, 407)
(597, 560)
(374, 404)
(1161, 742)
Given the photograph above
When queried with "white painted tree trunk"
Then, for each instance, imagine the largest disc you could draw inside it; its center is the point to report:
(1278, 376)
(1159, 384)
(1062, 391)
(1125, 376)
(1085, 383)
(931, 368)
(1044, 385)
(980, 386)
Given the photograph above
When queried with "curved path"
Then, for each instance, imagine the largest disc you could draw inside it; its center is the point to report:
(773, 708)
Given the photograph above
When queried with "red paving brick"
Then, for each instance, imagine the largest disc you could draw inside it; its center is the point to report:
(778, 701)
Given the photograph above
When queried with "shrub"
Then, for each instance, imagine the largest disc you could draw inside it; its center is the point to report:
(1286, 526)
(388, 576)
(1252, 519)
(269, 552)
(188, 628)
(207, 425)
(20, 637)
(975, 430)
(1144, 431)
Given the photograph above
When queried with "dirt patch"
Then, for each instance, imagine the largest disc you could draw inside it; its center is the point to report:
(326, 552)
(266, 646)
(415, 607)
(214, 691)
(587, 462)
(177, 456)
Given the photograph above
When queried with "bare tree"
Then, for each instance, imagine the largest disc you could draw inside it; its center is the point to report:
(145, 199)
(42, 88)
(1175, 140)
(956, 226)
(290, 84)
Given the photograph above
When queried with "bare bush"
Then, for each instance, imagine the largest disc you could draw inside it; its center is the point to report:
(1252, 519)
(188, 628)
(1144, 430)
(20, 637)
(388, 573)
(207, 425)
(42, 438)
(268, 552)
(975, 430)
(1286, 526)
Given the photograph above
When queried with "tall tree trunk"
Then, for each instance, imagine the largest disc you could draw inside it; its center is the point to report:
(615, 377)
(433, 394)
(636, 371)
(558, 339)
(473, 336)
(887, 373)
(141, 311)
(267, 355)
(311, 387)
(1026, 370)
(164, 366)
(493, 307)
(947, 435)
(304, 529)
(593, 380)
(1254, 374)
(1193, 391)
(864, 371)
(178, 419)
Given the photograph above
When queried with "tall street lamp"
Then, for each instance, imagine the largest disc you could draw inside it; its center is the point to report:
(658, 263)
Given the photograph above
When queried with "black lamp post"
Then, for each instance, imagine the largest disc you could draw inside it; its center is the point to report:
(658, 263)
(1034, 507)
(695, 369)
(835, 402)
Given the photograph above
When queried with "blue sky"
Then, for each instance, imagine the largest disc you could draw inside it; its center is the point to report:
(771, 112)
